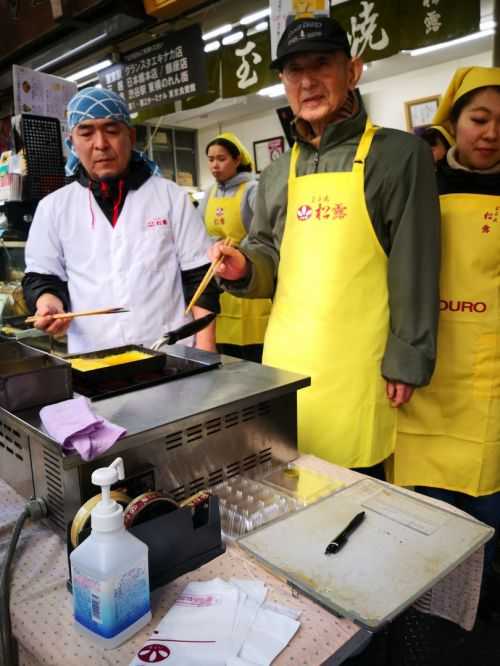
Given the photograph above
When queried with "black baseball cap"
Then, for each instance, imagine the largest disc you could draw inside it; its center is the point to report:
(311, 34)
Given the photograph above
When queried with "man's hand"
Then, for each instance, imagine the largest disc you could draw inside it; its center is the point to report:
(46, 306)
(234, 265)
(398, 393)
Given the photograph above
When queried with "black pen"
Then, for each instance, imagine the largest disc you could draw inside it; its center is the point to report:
(336, 544)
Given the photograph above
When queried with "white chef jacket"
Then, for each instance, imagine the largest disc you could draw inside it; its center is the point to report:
(137, 264)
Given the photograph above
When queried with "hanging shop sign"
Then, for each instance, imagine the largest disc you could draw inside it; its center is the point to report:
(245, 66)
(284, 11)
(213, 85)
(378, 29)
(427, 22)
(373, 28)
(169, 69)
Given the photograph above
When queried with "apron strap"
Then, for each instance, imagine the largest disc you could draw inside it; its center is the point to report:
(364, 145)
(359, 158)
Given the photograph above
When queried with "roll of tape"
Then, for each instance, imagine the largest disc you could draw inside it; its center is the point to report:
(82, 516)
(148, 505)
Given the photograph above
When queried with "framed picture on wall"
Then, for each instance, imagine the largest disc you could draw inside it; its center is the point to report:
(420, 112)
(266, 151)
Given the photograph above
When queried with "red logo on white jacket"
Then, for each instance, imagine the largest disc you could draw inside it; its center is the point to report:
(157, 222)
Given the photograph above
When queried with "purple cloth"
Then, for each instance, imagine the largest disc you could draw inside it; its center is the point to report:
(73, 424)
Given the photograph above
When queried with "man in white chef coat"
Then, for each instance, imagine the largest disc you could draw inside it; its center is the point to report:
(120, 235)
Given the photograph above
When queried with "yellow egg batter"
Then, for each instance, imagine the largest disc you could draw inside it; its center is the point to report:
(86, 364)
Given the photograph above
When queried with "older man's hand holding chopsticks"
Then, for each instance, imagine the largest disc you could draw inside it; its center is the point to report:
(234, 264)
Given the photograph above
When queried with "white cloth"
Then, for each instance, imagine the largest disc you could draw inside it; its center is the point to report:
(137, 264)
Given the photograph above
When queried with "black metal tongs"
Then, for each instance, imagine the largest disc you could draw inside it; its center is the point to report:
(184, 331)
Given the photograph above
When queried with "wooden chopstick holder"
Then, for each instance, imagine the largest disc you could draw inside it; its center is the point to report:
(207, 277)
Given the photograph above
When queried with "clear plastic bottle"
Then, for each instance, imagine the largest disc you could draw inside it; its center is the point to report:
(109, 571)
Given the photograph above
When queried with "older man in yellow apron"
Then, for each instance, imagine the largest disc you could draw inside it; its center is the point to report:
(346, 230)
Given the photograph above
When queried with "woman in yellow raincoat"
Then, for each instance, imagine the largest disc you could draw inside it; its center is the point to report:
(448, 442)
(227, 211)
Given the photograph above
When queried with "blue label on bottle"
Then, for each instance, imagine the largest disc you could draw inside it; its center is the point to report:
(109, 607)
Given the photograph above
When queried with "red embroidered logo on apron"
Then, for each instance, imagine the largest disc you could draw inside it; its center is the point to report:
(463, 306)
(326, 213)
(219, 215)
(304, 213)
(491, 216)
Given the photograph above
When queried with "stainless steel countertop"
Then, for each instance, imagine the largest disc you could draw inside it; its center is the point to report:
(150, 408)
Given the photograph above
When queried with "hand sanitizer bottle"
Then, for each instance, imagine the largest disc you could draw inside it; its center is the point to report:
(109, 571)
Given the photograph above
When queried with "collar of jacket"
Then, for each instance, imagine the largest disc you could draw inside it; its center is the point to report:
(136, 175)
(337, 132)
(455, 180)
(235, 181)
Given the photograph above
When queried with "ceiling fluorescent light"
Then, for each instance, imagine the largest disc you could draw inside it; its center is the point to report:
(212, 46)
(82, 84)
(233, 38)
(487, 23)
(77, 49)
(273, 91)
(256, 16)
(222, 30)
(89, 70)
(453, 42)
(260, 27)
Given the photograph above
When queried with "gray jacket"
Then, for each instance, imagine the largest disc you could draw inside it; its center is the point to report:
(402, 201)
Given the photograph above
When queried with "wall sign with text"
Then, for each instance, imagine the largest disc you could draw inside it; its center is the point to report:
(169, 69)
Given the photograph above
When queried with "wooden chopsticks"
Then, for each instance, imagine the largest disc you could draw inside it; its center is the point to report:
(72, 315)
(208, 276)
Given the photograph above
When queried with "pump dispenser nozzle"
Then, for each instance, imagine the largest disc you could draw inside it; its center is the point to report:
(108, 514)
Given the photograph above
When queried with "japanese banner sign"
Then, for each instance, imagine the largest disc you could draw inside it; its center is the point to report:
(373, 28)
(245, 66)
(426, 22)
(164, 71)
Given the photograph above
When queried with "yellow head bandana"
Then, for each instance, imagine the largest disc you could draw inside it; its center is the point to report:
(244, 154)
(464, 80)
(444, 132)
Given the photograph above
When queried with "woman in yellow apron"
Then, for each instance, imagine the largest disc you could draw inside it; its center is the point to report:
(227, 212)
(448, 443)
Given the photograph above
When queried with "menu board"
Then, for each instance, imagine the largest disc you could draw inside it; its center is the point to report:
(41, 94)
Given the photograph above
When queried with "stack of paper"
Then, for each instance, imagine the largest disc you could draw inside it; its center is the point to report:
(219, 623)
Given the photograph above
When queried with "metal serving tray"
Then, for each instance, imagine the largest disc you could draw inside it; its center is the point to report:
(30, 378)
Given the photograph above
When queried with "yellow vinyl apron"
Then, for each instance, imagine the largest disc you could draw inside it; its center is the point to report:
(241, 321)
(330, 316)
(449, 433)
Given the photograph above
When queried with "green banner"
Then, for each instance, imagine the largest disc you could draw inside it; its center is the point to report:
(426, 22)
(213, 78)
(245, 66)
(373, 28)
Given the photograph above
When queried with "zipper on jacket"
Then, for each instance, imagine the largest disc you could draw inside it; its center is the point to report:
(316, 161)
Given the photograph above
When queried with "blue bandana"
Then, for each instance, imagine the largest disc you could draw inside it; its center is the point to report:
(94, 104)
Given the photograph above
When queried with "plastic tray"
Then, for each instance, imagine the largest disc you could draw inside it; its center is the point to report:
(246, 504)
